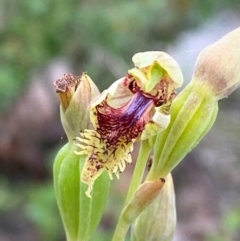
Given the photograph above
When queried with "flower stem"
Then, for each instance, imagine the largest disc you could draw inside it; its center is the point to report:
(123, 224)
(139, 169)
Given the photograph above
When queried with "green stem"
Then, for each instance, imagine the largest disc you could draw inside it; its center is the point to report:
(139, 169)
(123, 226)
(121, 229)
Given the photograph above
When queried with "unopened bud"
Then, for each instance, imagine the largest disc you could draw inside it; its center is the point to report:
(80, 215)
(158, 220)
(144, 196)
(195, 109)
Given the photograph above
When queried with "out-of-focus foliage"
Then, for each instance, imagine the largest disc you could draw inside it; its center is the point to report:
(32, 32)
(29, 206)
(41, 209)
(230, 225)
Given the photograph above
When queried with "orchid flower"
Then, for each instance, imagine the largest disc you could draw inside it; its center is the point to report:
(133, 108)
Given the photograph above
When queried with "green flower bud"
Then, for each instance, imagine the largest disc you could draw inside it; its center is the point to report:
(194, 110)
(75, 94)
(79, 213)
(158, 220)
(143, 197)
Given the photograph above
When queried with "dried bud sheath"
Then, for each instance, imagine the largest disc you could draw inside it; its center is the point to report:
(75, 94)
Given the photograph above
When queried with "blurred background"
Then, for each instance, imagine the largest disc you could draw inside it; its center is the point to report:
(42, 40)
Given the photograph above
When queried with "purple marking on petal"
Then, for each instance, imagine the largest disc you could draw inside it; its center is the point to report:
(126, 122)
(136, 109)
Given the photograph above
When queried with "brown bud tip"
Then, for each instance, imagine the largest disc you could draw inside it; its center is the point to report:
(75, 95)
(66, 84)
(66, 87)
(162, 179)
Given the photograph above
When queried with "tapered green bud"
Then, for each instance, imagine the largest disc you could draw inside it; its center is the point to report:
(193, 113)
(158, 220)
(194, 110)
(80, 214)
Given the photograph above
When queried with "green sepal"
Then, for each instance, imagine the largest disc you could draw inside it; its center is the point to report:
(80, 214)
(193, 113)
(156, 75)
